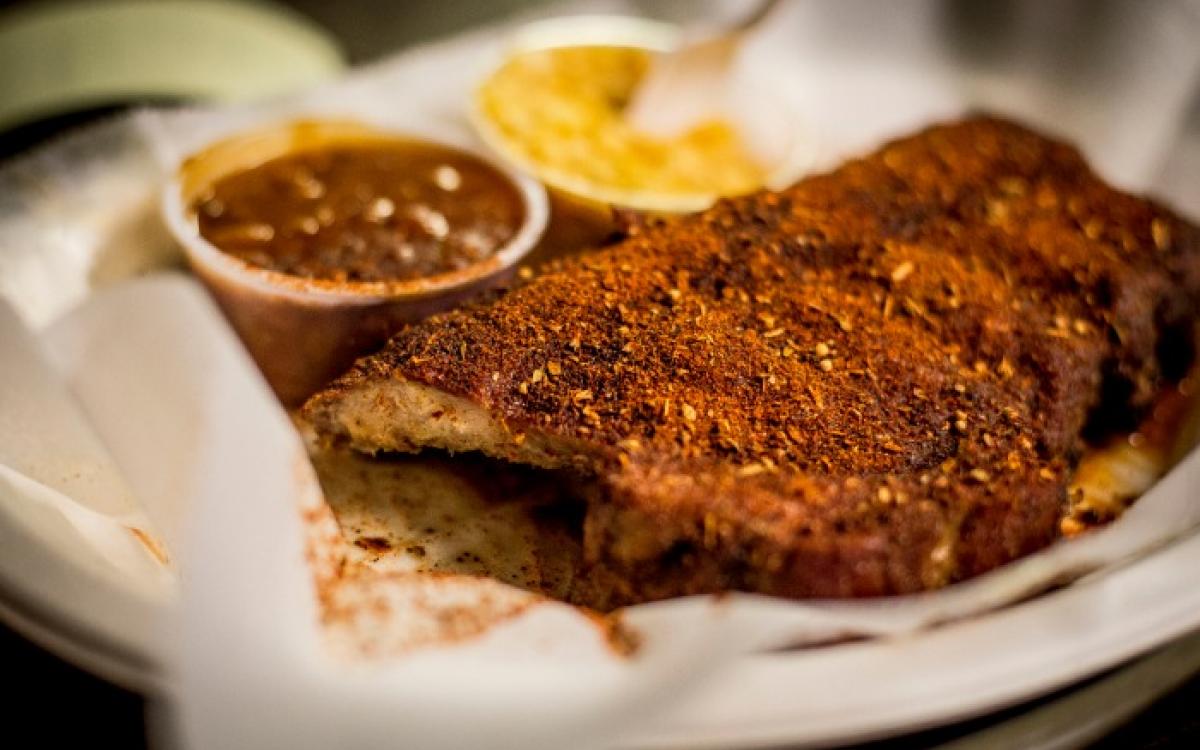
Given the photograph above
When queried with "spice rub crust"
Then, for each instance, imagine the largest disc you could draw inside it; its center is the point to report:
(874, 382)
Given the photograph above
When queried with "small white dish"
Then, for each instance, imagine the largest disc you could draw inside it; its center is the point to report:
(766, 124)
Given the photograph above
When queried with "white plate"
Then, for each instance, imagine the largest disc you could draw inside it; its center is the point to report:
(920, 681)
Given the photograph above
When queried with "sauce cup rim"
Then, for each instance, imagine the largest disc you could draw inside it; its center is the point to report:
(182, 223)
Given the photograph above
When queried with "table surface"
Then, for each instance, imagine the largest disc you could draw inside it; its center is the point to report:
(60, 704)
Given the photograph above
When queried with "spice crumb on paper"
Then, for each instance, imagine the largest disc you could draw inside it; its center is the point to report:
(424, 552)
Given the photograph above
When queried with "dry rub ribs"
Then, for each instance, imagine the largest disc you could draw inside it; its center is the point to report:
(874, 382)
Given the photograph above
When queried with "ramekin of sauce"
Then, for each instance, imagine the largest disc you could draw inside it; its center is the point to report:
(553, 106)
(319, 239)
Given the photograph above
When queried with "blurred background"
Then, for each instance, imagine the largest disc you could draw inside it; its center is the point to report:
(1119, 75)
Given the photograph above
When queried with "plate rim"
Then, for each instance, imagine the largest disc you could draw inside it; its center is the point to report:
(1176, 617)
(145, 672)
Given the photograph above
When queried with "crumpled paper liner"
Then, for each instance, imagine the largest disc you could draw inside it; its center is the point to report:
(181, 408)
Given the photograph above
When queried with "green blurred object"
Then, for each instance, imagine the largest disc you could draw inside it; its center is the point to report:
(68, 56)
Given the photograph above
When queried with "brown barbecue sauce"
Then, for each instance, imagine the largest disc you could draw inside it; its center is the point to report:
(371, 211)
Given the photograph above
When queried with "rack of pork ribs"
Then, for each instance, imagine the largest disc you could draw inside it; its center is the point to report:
(877, 381)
